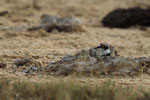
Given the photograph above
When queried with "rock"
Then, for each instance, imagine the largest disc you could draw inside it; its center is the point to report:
(48, 23)
(81, 59)
(148, 71)
(124, 18)
(2, 65)
(62, 24)
(69, 24)
(21, 62)
(30, 70)
(125, 70)
(99, 61)
(2, 13)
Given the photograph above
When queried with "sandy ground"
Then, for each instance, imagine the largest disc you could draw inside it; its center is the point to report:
(45, 47)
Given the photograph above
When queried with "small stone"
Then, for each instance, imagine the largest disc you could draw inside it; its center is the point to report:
(30, 69)
(148, 71)
(21, 62)
(2, 13)
(125, 70)
(2, 65)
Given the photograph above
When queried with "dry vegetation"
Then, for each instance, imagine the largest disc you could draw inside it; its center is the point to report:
(71, 90)
(43, 47)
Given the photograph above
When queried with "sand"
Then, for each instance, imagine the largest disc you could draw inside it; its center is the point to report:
(46, 47)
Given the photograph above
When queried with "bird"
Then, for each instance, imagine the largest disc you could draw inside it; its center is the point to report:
(105, 50)
(100, 51)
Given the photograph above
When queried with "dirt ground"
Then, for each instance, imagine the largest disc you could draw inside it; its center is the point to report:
(46, 47)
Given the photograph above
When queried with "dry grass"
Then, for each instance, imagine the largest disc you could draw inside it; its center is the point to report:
(70, 90)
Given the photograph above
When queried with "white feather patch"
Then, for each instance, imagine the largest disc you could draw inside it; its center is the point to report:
(107, 52)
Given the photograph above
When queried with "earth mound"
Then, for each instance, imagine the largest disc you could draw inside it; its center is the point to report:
(124, 18)
(102, 60)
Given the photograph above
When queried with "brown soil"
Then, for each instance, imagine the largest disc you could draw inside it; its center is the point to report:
(45, 47)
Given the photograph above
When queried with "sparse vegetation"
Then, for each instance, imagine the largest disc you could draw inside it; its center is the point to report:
(71, 90)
